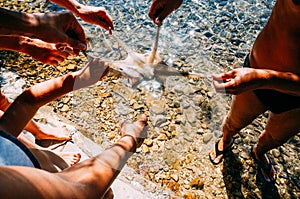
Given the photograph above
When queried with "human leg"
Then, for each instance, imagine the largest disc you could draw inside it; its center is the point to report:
(88, 179)
(40, 132)
(279, 129)
(241, 114)
(45, 132)
(50, 160)
(55, 161)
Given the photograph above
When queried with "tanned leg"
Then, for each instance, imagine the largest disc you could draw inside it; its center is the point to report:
(240, 115)
(88, 179)
(279, 129)
(40, 132)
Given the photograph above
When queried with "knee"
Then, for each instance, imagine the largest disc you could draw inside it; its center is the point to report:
(230, 126)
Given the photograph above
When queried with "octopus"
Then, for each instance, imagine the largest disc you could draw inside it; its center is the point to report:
(142, 67)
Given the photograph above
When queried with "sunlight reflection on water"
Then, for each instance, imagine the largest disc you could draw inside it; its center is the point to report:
(205, 37)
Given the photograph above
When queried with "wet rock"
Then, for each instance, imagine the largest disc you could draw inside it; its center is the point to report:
(65, 108)
(197, 183)
(188, 138)
(175, 177)
(162, 137)
(158, 120)
(207, 137)
(190, 115)
(145, 149)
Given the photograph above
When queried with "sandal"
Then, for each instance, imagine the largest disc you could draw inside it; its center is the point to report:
(218, 152)
(264, 170)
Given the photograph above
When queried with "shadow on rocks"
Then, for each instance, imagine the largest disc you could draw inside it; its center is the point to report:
(268, 189)
(289, 171)
(232, 169)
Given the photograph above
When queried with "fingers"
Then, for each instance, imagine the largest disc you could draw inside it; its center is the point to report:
(137, 129)
(76, 38)
(71, 31)
(106, 21)
(63, 49)
(97, 16)
(222, 86)
(53, 60)
(75, 44)
(54, 57)
(142, 120)
(160, 9)
(224, 76)
(223, 82)
(155, 12)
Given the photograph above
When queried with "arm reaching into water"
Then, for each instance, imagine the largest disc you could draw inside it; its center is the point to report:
(26, 105)
(160, 9)
(60, 28)
(48, 53)
(240, 80)
(90, 14)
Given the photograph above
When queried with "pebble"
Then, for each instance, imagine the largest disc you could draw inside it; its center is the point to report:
(207, 137)
(197, 183)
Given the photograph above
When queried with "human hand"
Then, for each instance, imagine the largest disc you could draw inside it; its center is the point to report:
(61, 28)
(94, 71)
(160, 9)
(96, 15)
(48, 53)
(239, 80)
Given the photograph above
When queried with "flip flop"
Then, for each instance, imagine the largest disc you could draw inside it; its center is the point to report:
(53, 143)
(218, 152)
(264, 170)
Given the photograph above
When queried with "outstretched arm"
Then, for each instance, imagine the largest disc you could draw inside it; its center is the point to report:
(48, 53)
(240, 80)
(90, 14)
(26, 105)
(89, 179)
(60, 28)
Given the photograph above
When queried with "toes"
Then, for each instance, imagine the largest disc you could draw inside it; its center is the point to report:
(214, 158)
(76, 159)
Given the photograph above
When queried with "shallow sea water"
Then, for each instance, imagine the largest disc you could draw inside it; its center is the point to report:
(205, 37)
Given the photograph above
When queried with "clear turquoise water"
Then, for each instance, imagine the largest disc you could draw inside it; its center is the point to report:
(202, 31)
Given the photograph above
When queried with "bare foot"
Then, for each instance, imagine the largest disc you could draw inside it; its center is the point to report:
(47, 132)
(137, 130)
(70, 158)
(55, 161)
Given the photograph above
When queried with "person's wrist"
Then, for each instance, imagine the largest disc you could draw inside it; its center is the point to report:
(78, 9)
(24, 42)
